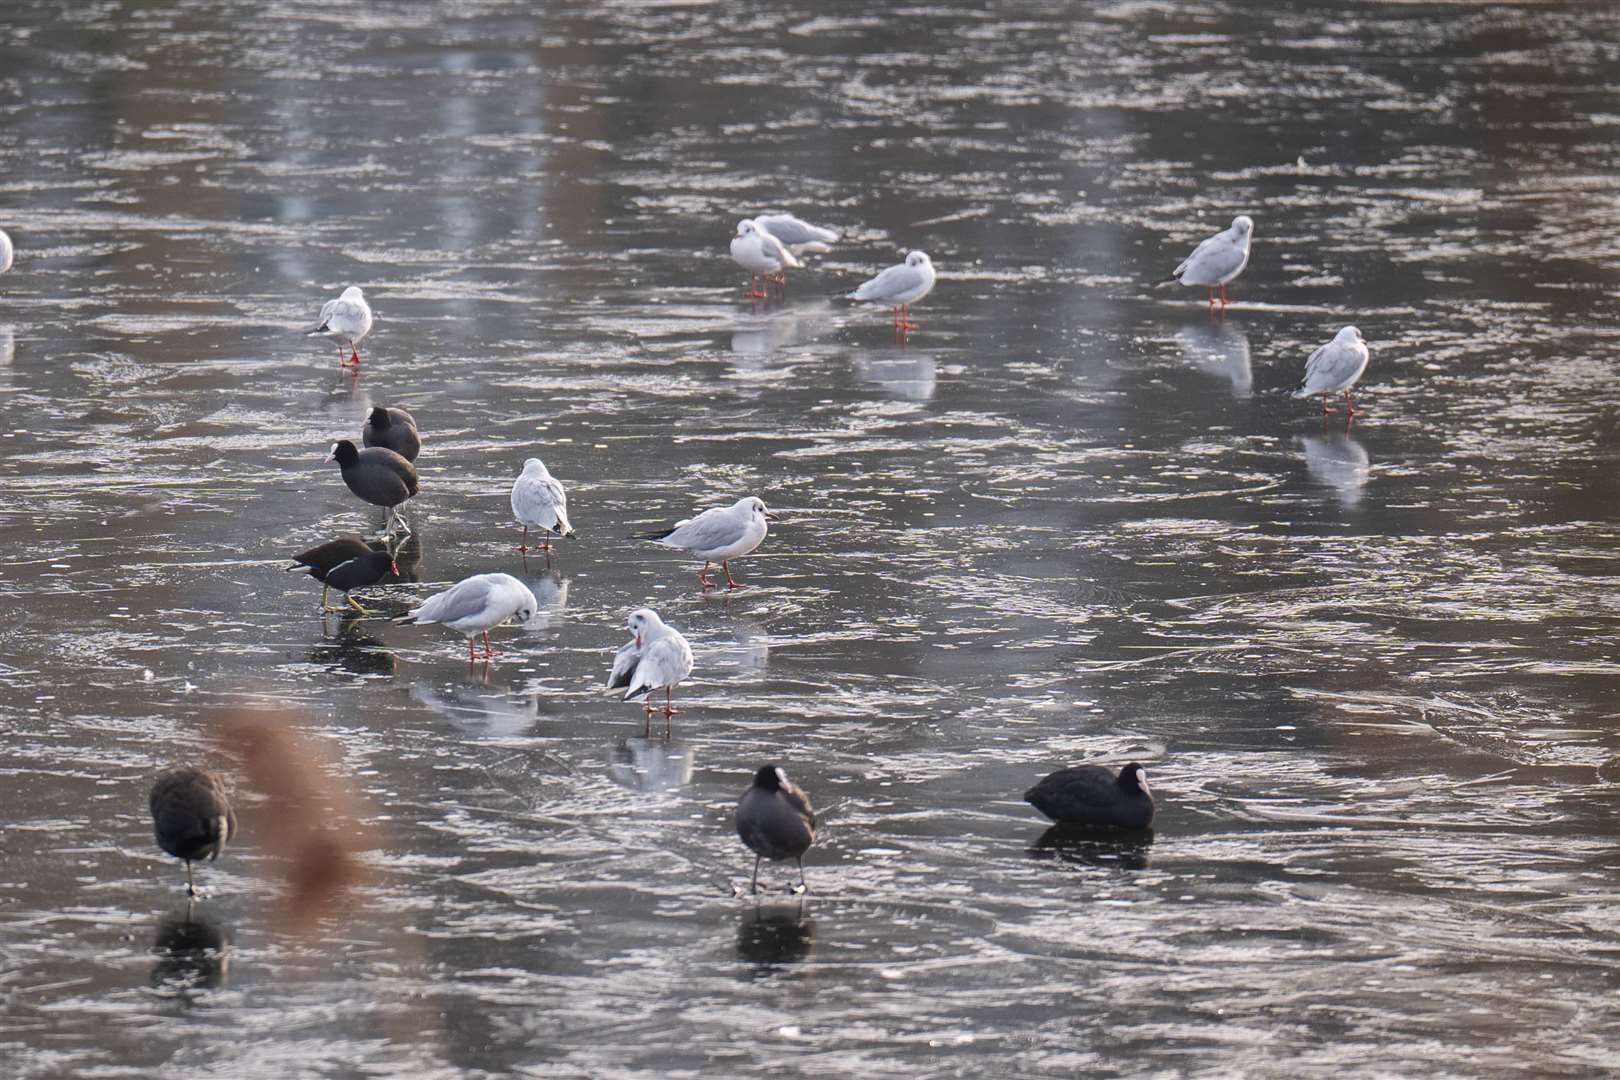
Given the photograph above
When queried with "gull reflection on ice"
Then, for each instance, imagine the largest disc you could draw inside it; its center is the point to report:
(1337, 462)
(1219, 349)
(651, 764)
(903, 375)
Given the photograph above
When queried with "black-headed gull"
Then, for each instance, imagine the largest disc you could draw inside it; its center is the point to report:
(191, 816)
(900, 287)
(655, 658)
(472, 606)
(775, 820)
(1336, 367)
(1219, 259)
(762, 255)
(538, 500)
(347, 319)
(800, 237)
(377, 475)
(718, 536)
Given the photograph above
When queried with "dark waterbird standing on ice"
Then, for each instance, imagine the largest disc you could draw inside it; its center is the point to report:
(1092, 795)
(191, 816)
(345, 564)
(392, 429)
(377, 475)
(775, 820)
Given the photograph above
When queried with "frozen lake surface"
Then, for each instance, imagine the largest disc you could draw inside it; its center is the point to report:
(1372, 675)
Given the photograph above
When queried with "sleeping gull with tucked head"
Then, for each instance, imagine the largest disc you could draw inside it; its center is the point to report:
(473, 605)
(800, 237)
(718, 535)
(1219, 259)
(900, 287)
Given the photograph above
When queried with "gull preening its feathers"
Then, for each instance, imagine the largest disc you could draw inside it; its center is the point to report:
(346, 319)
(655, 658)
(1218, 259)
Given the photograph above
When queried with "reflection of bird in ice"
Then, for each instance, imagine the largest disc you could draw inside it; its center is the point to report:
(748, 650)
(8, 345)
(1337, 462)
(769, 935)
(760, 335)
(192, 952)
(1219, 349)
(551, 594)
(908, 377)
(643, 764)
(487, 713)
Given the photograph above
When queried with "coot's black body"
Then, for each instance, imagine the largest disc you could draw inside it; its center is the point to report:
(392, 429)
(1092, 795)
(775, 820)
(191, 816)
(375, 474)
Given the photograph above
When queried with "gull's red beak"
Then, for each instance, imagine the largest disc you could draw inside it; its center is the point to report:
(771, 517)
(393, 567)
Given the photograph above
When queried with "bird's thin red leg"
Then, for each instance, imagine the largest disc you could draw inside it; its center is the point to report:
(523, 545)
(472, 653)
(1326, 409)
(488, 652)
(1223, 294)
(1350, 404)
(703, 577)
(729, 583)
(669, 702)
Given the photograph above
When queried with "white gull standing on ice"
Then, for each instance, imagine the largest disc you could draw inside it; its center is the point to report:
(538, 499)
(346, 319)
(1219, 259)
(718, 535)
(656, 657)
(1336, 367)
(474, 605)
(900, 287)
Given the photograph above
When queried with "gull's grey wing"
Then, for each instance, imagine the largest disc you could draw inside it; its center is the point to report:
(774, 250)
(459, 601)
(1216, 257)
(624, 665)
(342, 312)
(664, 662)
(794, 232)
(711, 529)
(895, 281)
(534, 496)
(1330, 367)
